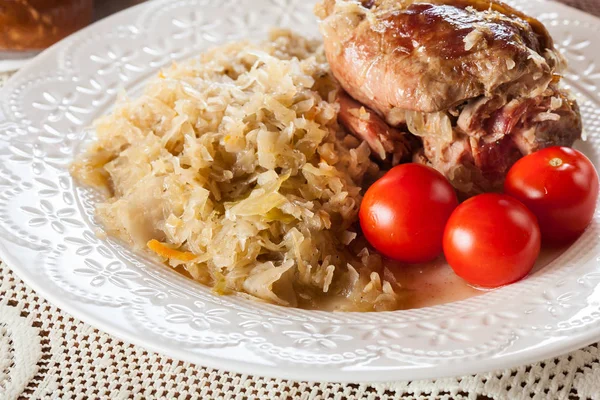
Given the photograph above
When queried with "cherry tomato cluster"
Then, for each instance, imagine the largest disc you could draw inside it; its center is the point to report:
(412, 215)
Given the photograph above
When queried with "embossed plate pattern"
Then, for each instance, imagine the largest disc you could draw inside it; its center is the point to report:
(47, 229)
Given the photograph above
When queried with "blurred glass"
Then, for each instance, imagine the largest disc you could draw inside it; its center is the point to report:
(32, 25)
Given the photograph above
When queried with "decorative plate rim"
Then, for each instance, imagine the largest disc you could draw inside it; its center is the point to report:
(124, 290)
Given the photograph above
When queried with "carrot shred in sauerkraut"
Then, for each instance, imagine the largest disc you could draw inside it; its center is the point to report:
(165, 251)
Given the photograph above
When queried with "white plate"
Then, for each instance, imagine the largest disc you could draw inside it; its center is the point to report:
(47, 231)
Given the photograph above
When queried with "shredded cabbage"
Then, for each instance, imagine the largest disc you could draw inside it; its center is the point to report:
(232, 166)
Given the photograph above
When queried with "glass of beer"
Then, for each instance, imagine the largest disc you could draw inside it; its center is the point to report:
(28, 26)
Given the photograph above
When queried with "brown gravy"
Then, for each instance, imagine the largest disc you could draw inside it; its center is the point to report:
(435, 283)
(432, 284)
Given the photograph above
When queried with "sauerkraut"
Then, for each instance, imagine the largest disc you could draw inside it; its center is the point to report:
(232, 167)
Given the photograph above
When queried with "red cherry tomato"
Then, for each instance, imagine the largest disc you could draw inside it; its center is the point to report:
(560, 186)
(403, 214)
(492, 240)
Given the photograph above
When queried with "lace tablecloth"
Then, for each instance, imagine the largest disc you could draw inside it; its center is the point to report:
(46, 353)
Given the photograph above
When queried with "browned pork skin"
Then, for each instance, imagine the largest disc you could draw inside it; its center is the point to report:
(476, 80)
(431, 56)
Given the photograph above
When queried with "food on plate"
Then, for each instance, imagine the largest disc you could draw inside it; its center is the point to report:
(245, 167)
(492, 240)
(232, 167)
(403, 214)
(388, 145)
(475, 80)
(560, 186)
